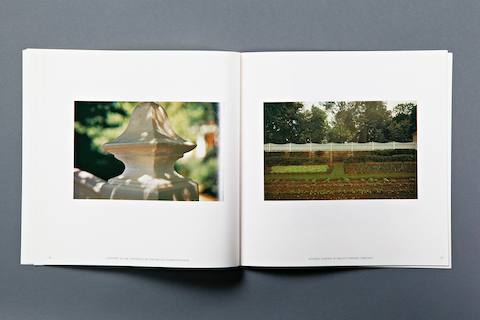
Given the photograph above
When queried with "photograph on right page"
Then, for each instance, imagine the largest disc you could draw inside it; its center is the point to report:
(340, 150)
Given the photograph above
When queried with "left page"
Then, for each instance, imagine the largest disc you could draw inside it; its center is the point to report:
(112, 140)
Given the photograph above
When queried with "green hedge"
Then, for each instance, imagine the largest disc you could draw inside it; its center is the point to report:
(379, 158)
(292, 159)
(304, 158)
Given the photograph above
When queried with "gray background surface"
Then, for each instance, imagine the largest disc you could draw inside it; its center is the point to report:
(130, 293)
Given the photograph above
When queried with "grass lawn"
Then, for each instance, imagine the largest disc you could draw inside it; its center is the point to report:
(320, 168)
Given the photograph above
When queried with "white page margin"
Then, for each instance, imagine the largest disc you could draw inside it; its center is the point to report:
(288, 233)
(56, 229)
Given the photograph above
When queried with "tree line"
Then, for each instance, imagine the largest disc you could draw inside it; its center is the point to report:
(339, 122)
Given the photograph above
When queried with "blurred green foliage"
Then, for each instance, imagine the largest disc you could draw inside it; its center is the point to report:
(96, 123)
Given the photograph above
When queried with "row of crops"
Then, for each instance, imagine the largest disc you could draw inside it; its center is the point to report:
(367, 175)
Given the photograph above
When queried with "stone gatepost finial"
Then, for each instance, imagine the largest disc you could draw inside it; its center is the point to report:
(149, 148)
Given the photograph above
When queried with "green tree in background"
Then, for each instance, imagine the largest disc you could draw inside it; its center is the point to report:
(282, 122)
(404, 122)
(344, 127)
(372, 122)
(314, 127)
(96, 123)
(339, 122)
(289, 122)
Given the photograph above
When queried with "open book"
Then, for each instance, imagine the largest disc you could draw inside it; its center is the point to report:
(209, 159)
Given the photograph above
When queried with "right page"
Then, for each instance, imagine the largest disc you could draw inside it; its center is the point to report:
(346, 159)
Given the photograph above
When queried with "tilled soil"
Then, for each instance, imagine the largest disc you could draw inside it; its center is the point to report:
(337, 190)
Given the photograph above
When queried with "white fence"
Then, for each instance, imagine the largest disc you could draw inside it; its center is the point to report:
(350, 146)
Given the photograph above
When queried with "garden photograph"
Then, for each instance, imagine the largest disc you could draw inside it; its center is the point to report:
(340, 150)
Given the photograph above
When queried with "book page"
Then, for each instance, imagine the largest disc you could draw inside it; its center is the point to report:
(131, 158)
(346, 159)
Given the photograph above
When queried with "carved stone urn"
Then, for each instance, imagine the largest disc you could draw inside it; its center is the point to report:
(149, 148)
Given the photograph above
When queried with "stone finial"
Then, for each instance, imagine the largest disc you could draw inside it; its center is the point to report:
(149, 148)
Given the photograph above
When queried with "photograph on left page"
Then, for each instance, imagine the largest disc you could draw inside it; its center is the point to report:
(146, 150)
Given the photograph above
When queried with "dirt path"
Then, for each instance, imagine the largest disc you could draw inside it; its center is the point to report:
(338, 171)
